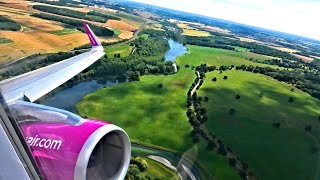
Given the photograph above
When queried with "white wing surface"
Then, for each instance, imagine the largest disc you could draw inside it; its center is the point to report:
(35, 84)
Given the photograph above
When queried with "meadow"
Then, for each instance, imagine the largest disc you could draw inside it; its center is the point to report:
(156, 116)
(271, 152)
(5, 40)
(157, 170)
(123, 50)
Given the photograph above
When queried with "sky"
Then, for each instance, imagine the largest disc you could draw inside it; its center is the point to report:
(300, 17)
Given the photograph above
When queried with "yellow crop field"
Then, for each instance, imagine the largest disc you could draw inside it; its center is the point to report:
(190, 32)
(121, 25)
(126, 35)
(31, 42)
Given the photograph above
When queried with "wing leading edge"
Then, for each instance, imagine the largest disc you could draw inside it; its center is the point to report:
(35, 84)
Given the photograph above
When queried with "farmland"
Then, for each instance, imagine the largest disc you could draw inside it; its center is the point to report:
(123, 50)
(255, 115)
(121, 25)
(46, 36)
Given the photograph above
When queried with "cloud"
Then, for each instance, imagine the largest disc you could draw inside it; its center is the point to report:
(291, 16)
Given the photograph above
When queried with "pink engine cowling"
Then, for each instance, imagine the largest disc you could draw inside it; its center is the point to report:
(65, 146)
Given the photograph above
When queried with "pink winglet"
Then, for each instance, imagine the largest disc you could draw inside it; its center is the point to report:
(93, 39)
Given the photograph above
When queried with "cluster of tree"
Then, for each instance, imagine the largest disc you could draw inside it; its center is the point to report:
(227, 43)
(307, 81)
(87, 46)
(136, 167)
(283, 63)
(69, 13)
(148, 58)
(98, 30)
(197, 114)
(8, 24)
(106, 16)
(308, 53)
(207, 42)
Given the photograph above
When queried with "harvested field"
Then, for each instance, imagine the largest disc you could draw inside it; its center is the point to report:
(303, 58)
(28, 43)
(146, 14)
(121, 25)
(126, 35)
(38, 24)
(85, 10)
(284, 49)
(189, 32)
(185, 26)
(16, 4)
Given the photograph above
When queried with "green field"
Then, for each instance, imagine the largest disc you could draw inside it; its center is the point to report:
(157, 170)
(144, 36)
(270, 152)
(64, 31)
(156, 116)
(218, 57)
(5, 40)
(117, 32)
(124, 50)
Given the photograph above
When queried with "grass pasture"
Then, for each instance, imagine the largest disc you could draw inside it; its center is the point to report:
(157, 170)
(146, 112)
(271, 153)
(124, 50)
(5, 41)
(218, 57)
(155, 116)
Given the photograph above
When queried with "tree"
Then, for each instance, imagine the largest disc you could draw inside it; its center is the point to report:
(211, 145)
(214, 79)
(291, 99)
(277, 125)
(206, 99)
(203, 110)
(222, 150)
(225, 77)
(237, 96)
(187, 66)
(160, 85)
(308, 128)
(232, 162)
(196, 138)
(232, 111)
(141, 163)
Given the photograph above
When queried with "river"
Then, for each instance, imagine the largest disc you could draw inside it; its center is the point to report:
(68, 98)
(176, 49)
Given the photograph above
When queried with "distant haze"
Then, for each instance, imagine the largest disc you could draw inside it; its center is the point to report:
(300, 17)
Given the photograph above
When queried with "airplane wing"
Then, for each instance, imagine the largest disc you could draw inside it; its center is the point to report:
(35, 84)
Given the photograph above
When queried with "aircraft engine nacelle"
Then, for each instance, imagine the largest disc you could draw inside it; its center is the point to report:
(65, 146)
